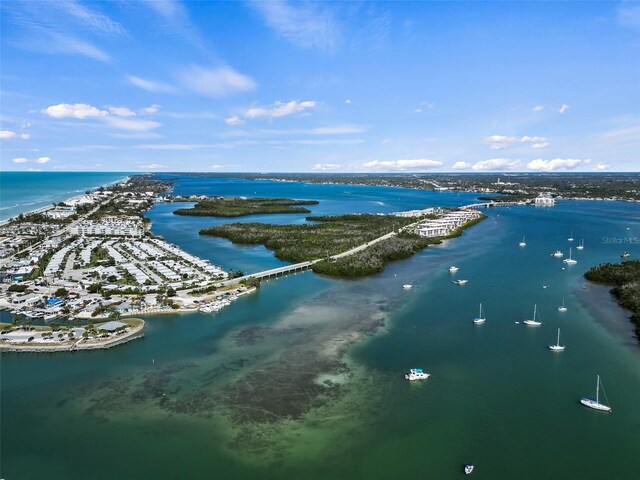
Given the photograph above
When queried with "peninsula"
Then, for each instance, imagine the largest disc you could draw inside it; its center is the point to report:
(350, 245)
(242, 206)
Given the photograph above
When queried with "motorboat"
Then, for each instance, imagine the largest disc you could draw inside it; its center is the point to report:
(407, 286)
(468, 468)
(416, 374)
(558, 254)
(460, 282)
(453, 269)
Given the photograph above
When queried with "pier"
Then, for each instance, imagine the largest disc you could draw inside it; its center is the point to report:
(495, 204)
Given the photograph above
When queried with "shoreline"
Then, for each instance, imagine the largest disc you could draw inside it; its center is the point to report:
(137, 331)
(49, 207)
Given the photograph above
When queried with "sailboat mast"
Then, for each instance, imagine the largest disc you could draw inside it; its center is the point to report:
(598, 390)
(558, 342)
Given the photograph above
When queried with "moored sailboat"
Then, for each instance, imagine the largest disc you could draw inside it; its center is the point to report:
(557, 347)
(595, 402)
(581, 246)
(480, 318)
(522, 243)
(535, 321)
(570, 261)
(562, 308)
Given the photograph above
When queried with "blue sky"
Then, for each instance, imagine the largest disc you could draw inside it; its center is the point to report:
(327, 87)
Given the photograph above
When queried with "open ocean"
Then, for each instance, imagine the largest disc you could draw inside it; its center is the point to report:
(22, 192)
(304, 378)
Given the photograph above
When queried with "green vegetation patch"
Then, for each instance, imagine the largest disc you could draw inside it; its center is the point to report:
(238, 207)
(625, 277)
(299, 243)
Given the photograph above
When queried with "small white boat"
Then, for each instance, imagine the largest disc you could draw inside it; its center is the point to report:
(557, 347)
(460, 282)
(468, 468)
(570, 261)
(416, 374)
(562, 308)
(407, 286)
(522, 243)
(535, 321)
(480, 318)
(453, 269)
(581, 246)
(625, 255)
(570, 239)
(595, 402)
(558, 254)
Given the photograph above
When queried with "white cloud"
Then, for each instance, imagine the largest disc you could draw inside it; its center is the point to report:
(495, 164)
(7, 134)
(412, 164)
(306, 25)
(131, 124)
(152, 166)
(279, 109)
(58, 43)
(122, 112)
(150, 85)
(500, 142)
(461, 166)
(217, 167)
(538, 108)
(215, 82)
(20, 160)
(564, 108)
(234, 120)
(326, 166)
(91, 19)
(386, 141)
(43, 160)
(601, 167)
(347, 101)
(76, 110)
(151, 109)
(540, 145)
(25, 136)
(417, 110)
(540, 165)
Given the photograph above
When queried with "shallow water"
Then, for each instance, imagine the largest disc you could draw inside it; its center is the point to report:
(304, 378)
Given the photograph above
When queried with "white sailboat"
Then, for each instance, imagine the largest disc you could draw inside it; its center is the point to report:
(535, 321)
(570, 261)
(562, 308)
(595, 402)
(522, 243)
(570, 239)
(453, 269)
(557, 347)
(480, 318)
(581, 246)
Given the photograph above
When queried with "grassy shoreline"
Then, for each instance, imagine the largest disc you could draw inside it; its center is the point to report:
(625, 278)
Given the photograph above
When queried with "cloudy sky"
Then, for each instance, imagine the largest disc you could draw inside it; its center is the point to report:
(301, 86)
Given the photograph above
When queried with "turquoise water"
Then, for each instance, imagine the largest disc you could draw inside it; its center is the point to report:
(304, 378)
(21, 192)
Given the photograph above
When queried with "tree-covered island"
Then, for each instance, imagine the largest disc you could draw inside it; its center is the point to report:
(240, 206)
(332, 235)
(625, 278)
